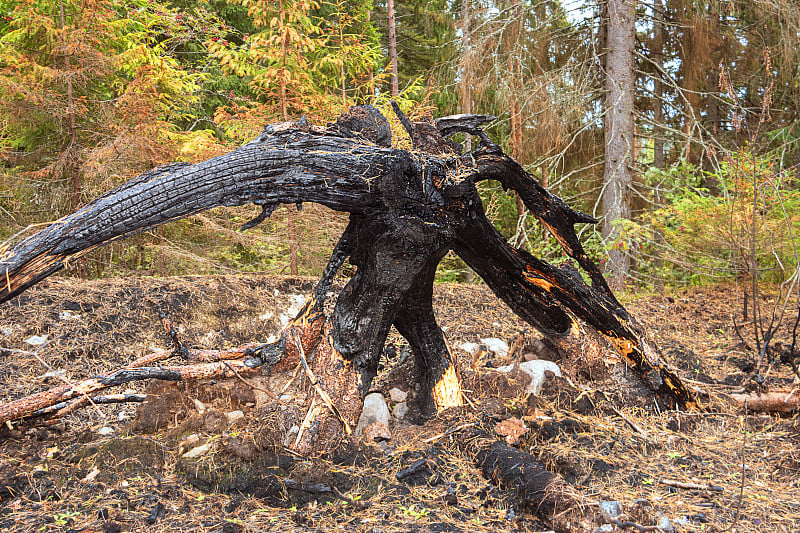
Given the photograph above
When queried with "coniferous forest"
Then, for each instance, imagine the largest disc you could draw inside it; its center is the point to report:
(670, 129)
(94, 93)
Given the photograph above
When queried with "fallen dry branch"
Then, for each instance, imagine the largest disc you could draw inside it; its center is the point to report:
(35, 402)
(59, 408)
(778, 401)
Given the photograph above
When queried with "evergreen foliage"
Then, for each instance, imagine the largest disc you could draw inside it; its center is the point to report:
(120, 87)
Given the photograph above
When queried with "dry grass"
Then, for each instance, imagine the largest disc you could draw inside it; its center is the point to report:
(583, 434)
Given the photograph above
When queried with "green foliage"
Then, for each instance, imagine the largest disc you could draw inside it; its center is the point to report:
(699, 238)
(301, 56)
(426, 37)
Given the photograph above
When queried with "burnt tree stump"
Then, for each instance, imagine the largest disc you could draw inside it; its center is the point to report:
(407, 209)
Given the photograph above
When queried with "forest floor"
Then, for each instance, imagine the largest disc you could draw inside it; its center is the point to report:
(124, 467)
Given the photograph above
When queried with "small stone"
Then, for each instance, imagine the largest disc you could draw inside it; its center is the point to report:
(192, 440)
(36, 340)
(290, 437)
(398, 395)
(197, 451)
(498, 346)
(610, 510)
(375, 412)
(59, 374)
(201, 407)
(91, 475)
(664, 524)
(537, 370)
(400, 410)
(66, 314)
(234, 416)
(105, 431)
(470, 347)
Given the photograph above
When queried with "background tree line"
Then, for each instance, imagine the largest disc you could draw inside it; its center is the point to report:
(673, 121)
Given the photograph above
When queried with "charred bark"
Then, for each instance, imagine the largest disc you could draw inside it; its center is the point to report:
(407, 209)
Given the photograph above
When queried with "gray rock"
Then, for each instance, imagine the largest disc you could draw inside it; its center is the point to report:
(610, 510)
(498, 346)
(536, 370)
(400, 410)
(375, 412)
(234, 416)
(197, 452)
(398, 395)
(36, 340)
(664, 524)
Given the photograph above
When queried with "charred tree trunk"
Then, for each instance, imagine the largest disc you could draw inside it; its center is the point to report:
(407, 210)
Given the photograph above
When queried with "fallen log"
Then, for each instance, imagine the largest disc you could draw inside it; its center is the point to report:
(407, 210)
(775, 401)
(535, 489)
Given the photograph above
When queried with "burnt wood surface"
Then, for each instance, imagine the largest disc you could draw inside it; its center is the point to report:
(407, 209)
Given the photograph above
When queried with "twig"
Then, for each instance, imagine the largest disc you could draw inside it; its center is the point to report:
(348, 499)
(21, 352)
(311, 414)
(58, 409)
(322, 488)
(84, 396)
(636, 427)
(291, 380)
(744, 471)
(30, 404)
(690, 486)
(634, 525)
(324, 395)
(448, 432)
(254, 387)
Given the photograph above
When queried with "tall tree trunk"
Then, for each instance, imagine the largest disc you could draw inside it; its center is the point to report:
(619, 136)
(466, 93)
(658, 86)
(74, 163)
(712, 101)
(284, 51)
(392, 48)
(291, 224)
(658, 125)
(514, 109)
(370, 71)
(342, 71)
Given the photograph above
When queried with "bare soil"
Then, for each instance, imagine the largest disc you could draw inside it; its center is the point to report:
(124, 467)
